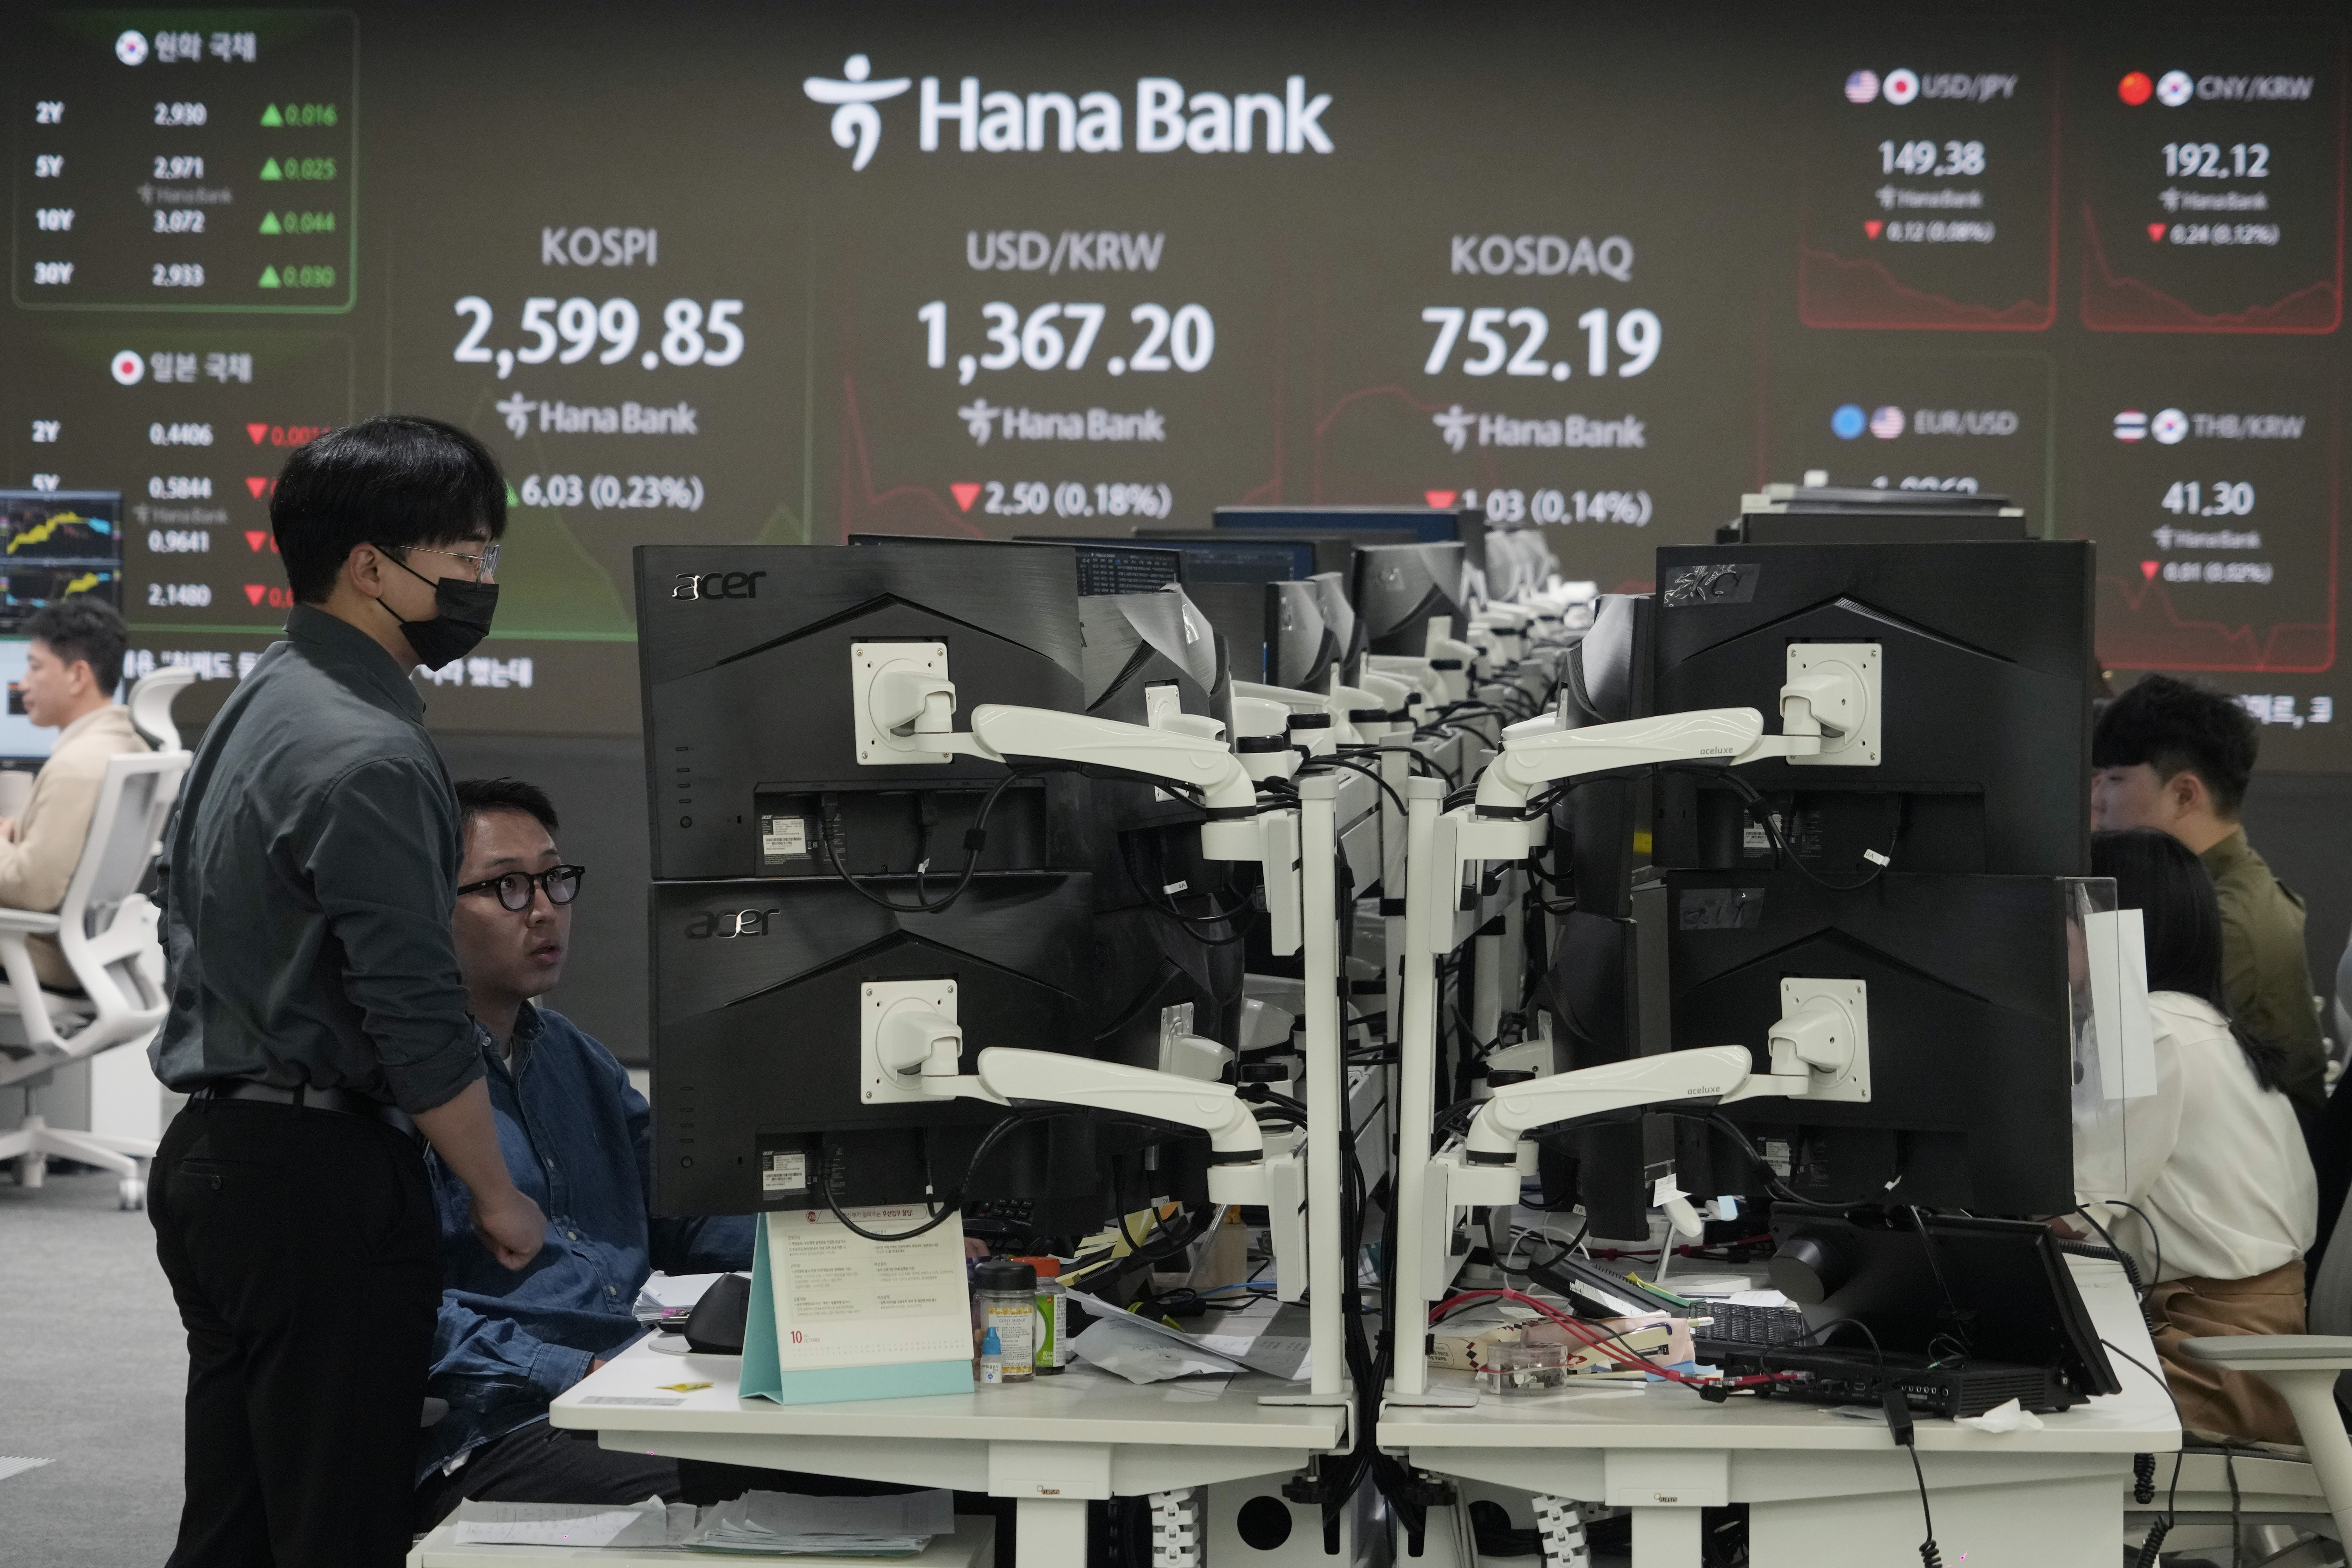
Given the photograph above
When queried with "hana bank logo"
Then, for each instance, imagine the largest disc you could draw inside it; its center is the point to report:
(1166, 116)
(856, 121)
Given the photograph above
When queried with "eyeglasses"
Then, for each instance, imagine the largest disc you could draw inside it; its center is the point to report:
(486, 564)
(561, 883)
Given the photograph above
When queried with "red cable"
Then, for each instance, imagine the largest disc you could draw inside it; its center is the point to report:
(1591, 1340)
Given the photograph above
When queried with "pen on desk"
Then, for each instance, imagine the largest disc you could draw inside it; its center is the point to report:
(681, 1388)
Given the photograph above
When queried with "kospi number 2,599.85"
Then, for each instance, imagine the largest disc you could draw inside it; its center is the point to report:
(691, 335)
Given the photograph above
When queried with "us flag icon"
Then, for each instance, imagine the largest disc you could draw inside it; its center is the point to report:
(2131, 425)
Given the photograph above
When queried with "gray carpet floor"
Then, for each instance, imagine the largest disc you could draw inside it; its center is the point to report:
(92, 1365)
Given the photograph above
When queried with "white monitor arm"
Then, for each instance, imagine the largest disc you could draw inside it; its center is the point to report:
(905, 704)
(1484, 1170)
(1729, 736)
(920, 1045)
(1822, 704)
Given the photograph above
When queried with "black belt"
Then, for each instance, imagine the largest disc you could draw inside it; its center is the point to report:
(341, 1101)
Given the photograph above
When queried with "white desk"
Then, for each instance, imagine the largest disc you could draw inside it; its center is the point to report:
(1053, 1444)
(973, 1545)
(1823, 1490)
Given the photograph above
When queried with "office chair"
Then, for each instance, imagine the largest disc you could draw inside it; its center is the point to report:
(151, 701)
(2259, 1486)
(107, 931)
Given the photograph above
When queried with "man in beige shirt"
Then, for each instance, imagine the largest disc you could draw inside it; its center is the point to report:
(70, 673)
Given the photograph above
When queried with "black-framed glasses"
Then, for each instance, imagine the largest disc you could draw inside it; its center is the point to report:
(559, 883)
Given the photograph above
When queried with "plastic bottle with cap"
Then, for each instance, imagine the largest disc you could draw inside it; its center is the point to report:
(1053, 1337)
(1006, 1291)
(991, 1359)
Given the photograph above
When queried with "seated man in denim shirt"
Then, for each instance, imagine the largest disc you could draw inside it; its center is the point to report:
(576, 1137)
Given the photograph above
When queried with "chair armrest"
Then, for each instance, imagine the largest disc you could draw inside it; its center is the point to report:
(30, 923)
(2272, 1352)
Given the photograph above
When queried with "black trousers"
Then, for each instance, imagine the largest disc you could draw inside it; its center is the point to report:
(303, 1250)
(540, 1463)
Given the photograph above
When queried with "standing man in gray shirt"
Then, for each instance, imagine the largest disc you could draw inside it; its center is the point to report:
(318, 1021)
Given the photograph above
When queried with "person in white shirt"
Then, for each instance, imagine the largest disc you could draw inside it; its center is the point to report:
(2217, 1202)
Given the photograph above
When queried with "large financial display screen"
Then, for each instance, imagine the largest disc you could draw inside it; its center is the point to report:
(786, 273)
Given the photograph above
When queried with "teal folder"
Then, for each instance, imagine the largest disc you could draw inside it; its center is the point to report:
(763, 1376)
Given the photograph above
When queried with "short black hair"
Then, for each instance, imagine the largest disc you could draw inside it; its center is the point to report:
(476, 796)
(2177, 727)
(2180, 920)
(81, 627)
(393, 480)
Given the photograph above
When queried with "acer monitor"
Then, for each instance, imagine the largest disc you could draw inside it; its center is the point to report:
(1985, 728)
(1424, 525)
(1106, 566)
(789, 879)
(1224, 579)
(1335, 548)
(1400, 588)
(1939, 877)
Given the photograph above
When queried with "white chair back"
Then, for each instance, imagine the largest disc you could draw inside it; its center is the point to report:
(151, 701)
(106, 928)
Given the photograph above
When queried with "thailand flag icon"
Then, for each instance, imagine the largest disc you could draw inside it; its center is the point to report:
(1861, 87)
(2131, 425)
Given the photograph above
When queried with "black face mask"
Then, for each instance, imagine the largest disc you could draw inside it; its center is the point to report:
(461, 618)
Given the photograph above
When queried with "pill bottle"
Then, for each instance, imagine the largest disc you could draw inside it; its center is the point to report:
(1006, 1293)
(1053, 1324)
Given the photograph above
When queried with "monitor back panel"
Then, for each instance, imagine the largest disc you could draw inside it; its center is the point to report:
(1986, 719)
(757, 989)
(744, 664)
(1970, 1053)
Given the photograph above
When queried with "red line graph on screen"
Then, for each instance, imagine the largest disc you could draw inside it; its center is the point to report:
(2132, 306)
(902, 508)
(2113, 303)
(2139, 629)
(1833, 291)
(1362, 394)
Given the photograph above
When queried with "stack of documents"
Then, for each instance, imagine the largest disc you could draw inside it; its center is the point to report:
(647, 1523)
(671, 1295)
(790, 1522)
(1144, 1350)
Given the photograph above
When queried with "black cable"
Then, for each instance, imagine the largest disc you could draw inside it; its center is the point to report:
(2130, 1267)
(974, 838)
(1366, 769)
(1154, 901)
(1930, 1555)
(1431, 769)
(2155, 1238)
(2153, 1546)
(1771, 821)
(1772, 1182)
(953, 1204)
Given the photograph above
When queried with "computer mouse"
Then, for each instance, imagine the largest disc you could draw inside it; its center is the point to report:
(716, 1327)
